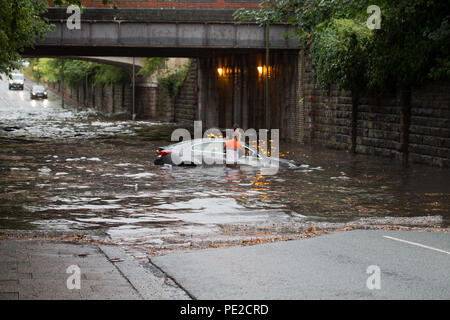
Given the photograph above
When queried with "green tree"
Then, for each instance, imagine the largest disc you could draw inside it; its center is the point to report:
(412, 45)
(107, 74)
(339, 53)
(173, 82)
(152, 65)
(21, 23)
(76, 72)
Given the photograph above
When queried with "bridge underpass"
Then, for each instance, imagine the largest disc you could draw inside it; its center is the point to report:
(231, 70)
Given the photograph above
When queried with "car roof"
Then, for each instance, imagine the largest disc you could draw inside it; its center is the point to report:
(206, 140)
(202, 140)
(195, 141)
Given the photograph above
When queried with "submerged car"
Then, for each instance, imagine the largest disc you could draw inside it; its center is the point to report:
(212, 151)
(38, 92)
(16, 81)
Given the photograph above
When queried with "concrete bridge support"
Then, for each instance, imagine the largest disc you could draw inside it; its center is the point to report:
(232, 90)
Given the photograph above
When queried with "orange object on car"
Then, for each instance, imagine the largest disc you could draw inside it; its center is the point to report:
(233, 144)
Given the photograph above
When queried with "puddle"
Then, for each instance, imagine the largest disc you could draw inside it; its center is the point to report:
(60, 173)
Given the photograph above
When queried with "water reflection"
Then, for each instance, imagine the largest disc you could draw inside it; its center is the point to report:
(22, 96)
(105, 184)
(88, 185)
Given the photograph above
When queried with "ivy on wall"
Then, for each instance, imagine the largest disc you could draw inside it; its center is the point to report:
(172, 83)
(411, 46)
(153, 66)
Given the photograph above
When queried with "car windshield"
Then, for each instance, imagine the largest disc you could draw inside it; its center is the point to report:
(250, 152)
(216, 146)
(38, 88)
(17, 76)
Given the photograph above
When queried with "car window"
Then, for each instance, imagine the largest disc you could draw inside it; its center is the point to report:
(208, 147)
(216, 147)
(250, 152)
(17, 76)
(198, 146)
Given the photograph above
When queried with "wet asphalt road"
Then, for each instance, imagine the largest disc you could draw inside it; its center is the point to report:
(68, 172)
(411, 265)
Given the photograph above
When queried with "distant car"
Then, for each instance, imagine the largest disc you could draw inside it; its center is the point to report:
(211, 151)
(16, 81)
(38, 92)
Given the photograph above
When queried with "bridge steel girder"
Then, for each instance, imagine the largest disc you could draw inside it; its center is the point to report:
(125, 63)
(157, 32)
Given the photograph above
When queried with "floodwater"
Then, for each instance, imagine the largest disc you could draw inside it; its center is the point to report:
(67, 172)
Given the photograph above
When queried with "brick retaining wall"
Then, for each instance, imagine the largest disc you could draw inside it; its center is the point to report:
(325, 117)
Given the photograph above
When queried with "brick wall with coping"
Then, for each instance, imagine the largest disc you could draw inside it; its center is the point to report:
(328, 120)
(113, 99)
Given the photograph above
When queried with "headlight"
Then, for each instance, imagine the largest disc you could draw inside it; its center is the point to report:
(21, 82)
(10, 82)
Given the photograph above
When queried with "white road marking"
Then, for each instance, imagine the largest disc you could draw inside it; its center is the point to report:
(417, 244)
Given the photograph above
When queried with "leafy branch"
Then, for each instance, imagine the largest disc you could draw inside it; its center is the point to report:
(412, 46)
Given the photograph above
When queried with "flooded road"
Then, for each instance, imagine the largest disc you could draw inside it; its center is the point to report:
(68, 172)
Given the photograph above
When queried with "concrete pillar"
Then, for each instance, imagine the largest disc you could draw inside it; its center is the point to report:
(200, 77)
(145, 98)
(237, 89)
(300, 99)
(244, 93)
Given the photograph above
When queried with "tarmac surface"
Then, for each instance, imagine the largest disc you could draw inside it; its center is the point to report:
(411, 265)
(360, 264)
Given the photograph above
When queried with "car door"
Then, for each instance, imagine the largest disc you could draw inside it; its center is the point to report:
(209, 153)
(214, 153)
(197, 153)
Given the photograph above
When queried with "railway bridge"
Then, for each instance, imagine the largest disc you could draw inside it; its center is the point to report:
(234, 82)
